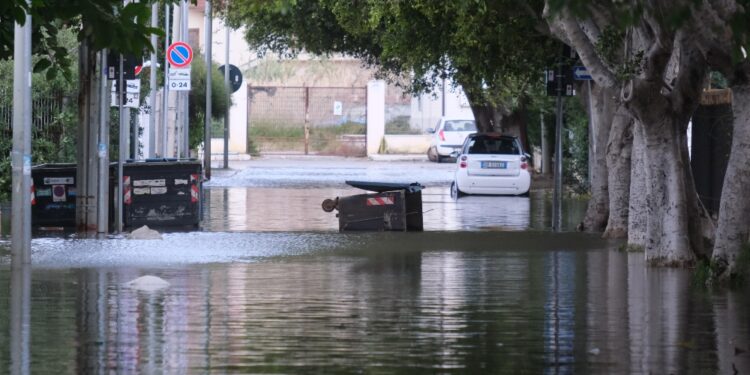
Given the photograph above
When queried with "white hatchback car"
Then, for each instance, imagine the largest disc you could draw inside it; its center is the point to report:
(491, 164)
(449, 136)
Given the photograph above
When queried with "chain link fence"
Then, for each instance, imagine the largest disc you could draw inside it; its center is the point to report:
(309, 120)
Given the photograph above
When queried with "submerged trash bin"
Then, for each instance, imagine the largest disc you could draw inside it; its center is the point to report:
(393, 207)
(161, 193)
(53, 201)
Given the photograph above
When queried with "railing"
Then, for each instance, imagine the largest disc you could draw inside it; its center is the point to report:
(46, 112)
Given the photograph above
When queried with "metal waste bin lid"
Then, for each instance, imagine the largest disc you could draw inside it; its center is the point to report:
(380, 187)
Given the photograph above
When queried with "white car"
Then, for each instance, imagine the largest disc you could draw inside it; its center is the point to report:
(491, 164)
(449, 136)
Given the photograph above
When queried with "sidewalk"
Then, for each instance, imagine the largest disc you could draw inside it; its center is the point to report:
(233, 156)
(399, 157)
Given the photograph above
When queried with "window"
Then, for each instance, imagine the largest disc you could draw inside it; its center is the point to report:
(489, 145)
(460, 126)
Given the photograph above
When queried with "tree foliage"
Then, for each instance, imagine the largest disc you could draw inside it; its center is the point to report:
(494, 49)
(104, 23)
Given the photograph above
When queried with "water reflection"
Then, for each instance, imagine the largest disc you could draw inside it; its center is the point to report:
(482, 302)
(297, 209)
(20, 317)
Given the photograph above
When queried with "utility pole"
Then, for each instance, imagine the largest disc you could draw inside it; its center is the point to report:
(102, 205)
(185, 94)
(21, 154)
(165, 101)
(152, 85)
(178, 103)
(229, 95)
(122, 151)
(557, 193)
(545, 147)
(20, 290)
(209, 68)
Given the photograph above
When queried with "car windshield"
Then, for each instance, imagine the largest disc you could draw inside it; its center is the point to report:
(460, 126)
(493, 145)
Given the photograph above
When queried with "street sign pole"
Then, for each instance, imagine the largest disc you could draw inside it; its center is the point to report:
(121, 150)
(229, 94)
(165, 99)
(102, 205)
(557, 193)
(152, 85)
(21, 154)
(207, 130)
(186, 95)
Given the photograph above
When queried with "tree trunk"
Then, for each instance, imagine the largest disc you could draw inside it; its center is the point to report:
(619, 149)
(637, 215)
(667, 196)
(486, 116)
(734, 210)
(603, 105)
(515, 124)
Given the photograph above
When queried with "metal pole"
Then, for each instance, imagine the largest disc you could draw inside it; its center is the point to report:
(178, 131)
(592, 131)
(442, 99)
(21, 154)
(545, 152)
(152, 85)
(102, 206)
(132, 123)
(186, 94)
(207, 130)
(165, 101)
(307, 120)
(229, 95)
(557, 194)
(122, 150)
(20, 318)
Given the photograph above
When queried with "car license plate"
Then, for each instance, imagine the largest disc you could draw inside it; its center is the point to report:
(494, 164)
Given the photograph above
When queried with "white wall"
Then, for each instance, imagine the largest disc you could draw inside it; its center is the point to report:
(375, 115)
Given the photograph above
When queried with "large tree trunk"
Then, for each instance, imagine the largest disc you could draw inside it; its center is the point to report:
(637, 214)
(734, 210)
(486, 116)
(619, 149)
(603, 106)
(667, 196)
(515, 124)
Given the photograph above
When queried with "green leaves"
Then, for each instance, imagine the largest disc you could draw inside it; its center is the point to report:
(41, 65)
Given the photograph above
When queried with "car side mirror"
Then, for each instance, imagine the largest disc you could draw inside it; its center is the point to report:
(430, 130)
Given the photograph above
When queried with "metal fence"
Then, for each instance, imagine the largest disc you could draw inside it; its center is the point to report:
(310, 120)
(45, 111)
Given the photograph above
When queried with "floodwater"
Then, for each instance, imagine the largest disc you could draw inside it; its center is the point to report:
(269, 286)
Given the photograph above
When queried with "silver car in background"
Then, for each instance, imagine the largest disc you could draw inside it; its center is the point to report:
(449, 136)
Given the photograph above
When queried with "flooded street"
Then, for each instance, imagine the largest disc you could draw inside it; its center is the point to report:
(268, 285)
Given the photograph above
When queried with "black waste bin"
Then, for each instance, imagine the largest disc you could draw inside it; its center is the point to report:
(160, 193)
(53, 195)
(393, 207)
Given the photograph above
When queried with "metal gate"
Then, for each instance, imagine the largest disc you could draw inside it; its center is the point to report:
(307, 120)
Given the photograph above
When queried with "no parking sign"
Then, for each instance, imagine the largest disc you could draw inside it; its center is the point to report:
(179, 55)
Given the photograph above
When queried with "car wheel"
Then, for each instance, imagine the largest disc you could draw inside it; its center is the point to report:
(455, 191)
(432, 154)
